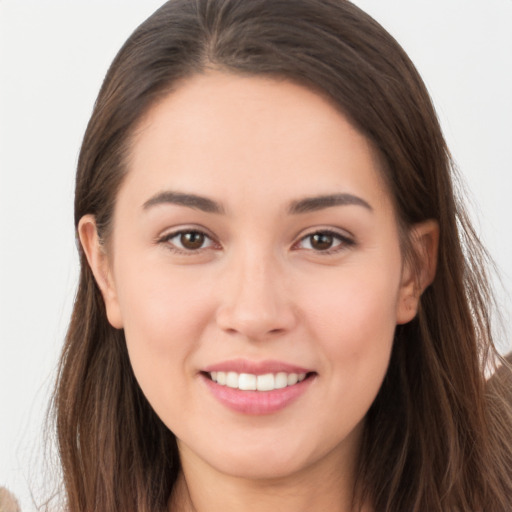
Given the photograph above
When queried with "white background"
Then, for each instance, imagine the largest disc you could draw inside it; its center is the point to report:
(53, 56)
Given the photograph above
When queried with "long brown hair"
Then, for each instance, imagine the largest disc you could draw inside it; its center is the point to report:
(436, 437)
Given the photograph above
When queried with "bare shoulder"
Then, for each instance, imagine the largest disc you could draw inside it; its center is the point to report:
(8, 502)
(500, 385)
(504, 372)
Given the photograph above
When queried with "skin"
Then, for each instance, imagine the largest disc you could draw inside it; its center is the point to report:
(259, 287)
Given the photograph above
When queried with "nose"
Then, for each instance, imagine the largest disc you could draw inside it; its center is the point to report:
(255, 303)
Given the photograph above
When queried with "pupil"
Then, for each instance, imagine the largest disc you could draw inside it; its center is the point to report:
(192, 240)
(322, 241)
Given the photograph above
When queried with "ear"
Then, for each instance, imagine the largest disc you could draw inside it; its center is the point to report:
(419, 273)
(97, 258)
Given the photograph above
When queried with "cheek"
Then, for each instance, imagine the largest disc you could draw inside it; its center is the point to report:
(163, 316)
(162, 305)
(354, 319)
(351, 318)
(358, 301)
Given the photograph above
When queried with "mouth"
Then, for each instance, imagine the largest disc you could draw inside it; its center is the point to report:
(257, 387)
(253, 382)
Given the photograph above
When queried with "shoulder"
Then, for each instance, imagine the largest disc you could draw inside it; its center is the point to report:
(8, 502)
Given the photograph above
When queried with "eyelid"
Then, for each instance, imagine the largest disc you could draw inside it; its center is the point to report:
(167, 236)
(346, 240)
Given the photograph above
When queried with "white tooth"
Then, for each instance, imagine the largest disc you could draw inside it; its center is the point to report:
(281, 380)
(292, 379)
(250, 382)
(232, 380)
(247, 382)
(265, 382)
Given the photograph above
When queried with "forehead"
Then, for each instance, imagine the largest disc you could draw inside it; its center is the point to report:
(218, 130)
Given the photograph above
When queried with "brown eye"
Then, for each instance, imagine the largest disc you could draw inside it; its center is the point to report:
(188, 241)
(325, 241)
(192, 240)
(321, 241)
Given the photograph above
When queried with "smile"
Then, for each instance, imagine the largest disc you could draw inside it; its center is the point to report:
(257, 387)
(251, 382)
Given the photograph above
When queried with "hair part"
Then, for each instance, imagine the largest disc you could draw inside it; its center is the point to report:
(435, 436)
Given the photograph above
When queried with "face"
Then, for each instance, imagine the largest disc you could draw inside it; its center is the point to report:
(255, 268)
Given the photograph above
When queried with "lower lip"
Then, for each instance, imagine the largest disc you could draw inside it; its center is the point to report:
(257, 402)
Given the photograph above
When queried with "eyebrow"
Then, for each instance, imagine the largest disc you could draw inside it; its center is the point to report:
(306, 205)
(312, 204)
(190, 200)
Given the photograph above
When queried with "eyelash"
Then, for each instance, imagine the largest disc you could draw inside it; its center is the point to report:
(166, 239)
(344, 242)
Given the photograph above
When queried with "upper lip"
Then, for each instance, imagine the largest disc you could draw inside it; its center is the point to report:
(255, 367)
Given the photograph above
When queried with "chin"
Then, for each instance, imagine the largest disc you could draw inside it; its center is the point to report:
(264, 461)
(262, 468)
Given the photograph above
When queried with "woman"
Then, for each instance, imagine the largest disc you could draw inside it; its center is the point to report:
(282, 305)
